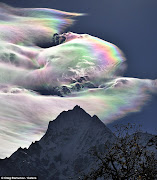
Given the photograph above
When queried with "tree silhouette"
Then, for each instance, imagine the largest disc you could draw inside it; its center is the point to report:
(127, 158)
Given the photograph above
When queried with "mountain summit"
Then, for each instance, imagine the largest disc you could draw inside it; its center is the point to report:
(63, 152)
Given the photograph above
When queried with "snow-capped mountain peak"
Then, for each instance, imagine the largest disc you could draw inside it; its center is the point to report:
(63, 151)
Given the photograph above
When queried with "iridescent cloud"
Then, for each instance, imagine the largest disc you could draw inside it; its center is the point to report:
(31, 25)
(83, 70)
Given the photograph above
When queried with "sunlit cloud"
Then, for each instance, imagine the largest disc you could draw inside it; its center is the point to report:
(81, 70)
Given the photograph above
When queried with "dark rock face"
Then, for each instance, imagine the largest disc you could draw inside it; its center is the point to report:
(63, 152)
(79, 84)
(58, 39)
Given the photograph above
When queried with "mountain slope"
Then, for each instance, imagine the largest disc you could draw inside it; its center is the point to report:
(63, 152)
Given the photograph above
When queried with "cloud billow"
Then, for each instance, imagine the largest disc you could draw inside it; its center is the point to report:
(79, 69)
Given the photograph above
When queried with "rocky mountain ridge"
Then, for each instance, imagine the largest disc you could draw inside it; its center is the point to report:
(63, 153)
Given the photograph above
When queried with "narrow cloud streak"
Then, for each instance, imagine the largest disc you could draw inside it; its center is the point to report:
(32, 25)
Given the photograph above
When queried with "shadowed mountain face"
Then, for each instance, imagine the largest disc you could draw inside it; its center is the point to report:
(63, 152)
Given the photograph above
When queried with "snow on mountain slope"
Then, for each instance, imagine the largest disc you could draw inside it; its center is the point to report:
(63, 152)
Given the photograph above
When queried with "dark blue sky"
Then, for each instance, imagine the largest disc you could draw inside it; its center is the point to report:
(129, 24)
